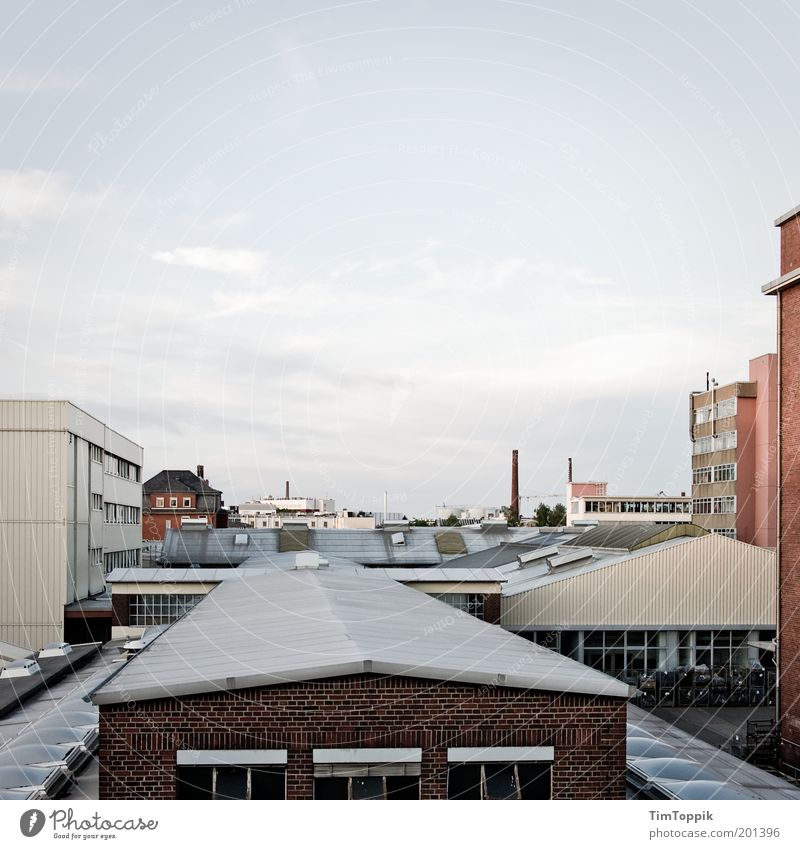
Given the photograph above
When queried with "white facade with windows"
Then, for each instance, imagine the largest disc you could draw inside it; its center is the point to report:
(62, 473)
(666, 509)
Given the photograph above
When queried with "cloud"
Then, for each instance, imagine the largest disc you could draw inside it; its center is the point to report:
(29, 194)
(28, 82)
(243, 263)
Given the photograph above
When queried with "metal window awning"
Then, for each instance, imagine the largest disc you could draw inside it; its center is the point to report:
(231, 757)
(500, 754)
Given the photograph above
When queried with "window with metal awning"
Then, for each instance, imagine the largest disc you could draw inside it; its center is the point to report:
(367, 773)
(500, 772)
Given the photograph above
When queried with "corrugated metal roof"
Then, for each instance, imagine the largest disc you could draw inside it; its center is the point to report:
(682, 582)
(372, 547)
(297, 626)
(627, 536)
(287, 562)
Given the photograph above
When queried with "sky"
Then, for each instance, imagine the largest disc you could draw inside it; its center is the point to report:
(376, 246)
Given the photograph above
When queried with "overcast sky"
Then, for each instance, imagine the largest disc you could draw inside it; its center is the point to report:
(377, 245)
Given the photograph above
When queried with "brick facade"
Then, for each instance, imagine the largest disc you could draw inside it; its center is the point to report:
(139, 740)
(789, 616)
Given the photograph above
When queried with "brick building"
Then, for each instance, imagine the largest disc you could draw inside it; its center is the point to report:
(787, 291)
(734, 433)
(312, 684)
(177, 496)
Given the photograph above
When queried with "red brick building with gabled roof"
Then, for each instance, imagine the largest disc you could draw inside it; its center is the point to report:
(174, 496)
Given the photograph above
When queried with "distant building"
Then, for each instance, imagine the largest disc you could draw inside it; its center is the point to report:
(590, 502)
(476, 512)
(263, 514)
(734, 433)
(788, 477)
(70, 511)
(175, 498)
(280, 686)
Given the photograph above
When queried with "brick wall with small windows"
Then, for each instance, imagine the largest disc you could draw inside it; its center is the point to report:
(139, 740)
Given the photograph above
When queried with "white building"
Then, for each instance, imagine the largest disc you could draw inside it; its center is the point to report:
(590, 502)
(262, 514)
(70, 511)
(461, 512)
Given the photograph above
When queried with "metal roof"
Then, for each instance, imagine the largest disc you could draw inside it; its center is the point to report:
(628, 536)
(178, 480)
(287, 562)
(370, 547)
(296, 626)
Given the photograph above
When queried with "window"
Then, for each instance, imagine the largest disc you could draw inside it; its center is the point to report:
(718, 650)
(95, 556)
(624, 653)
(231, 782)
(187, 502)
(159, 501)
(499, 781)
(159, 608)
(472, 603)
(725, 504)
(122, 514)
(356, 787)
(726, 472)
(96, 453)
(722, 410)
(367, 773)
(173, 502)
(720, 442)
(121, 559)
(97, 501)
(725, 532)
(703, 475)
(120, 468)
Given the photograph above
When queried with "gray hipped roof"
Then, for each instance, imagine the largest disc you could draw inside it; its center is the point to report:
(308, 624)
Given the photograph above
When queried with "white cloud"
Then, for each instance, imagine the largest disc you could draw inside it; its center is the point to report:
(27, 82)
(29, 194)
(244, 263)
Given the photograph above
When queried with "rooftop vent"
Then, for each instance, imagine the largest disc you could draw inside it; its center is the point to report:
(398, 539)
(450, 542)
(20, 669)
(574, 558)
(55, 650)
(309, 560)
(241, 539)
(537, 554)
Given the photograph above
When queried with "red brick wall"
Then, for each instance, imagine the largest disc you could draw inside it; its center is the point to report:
(789, 624)
(491, 608)
(138, 741)
(120, 606)
(790, 245)
(154, 525)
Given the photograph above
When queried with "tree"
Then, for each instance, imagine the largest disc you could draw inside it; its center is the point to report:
(558, 515)
(512, 516)
(419, 523)
(542, 515)
(451, 521)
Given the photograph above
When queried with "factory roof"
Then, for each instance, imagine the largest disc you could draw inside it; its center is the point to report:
(298, 626)
(630, 536)
(370, 547)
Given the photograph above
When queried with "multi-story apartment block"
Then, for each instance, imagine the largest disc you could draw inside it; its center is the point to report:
(787, 291)
(70, 511)
(176, 497)
(734, 455)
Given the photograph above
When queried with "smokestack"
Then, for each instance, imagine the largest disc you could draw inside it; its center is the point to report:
(515, 482)
(201, 470)
(287, 489)
(569, 469)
